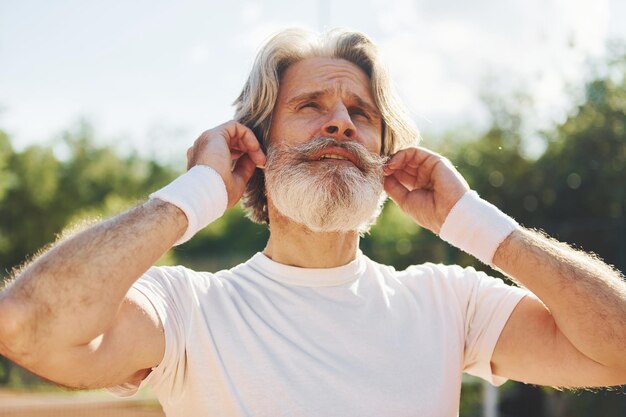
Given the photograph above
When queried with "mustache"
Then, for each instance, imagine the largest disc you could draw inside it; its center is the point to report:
(305, 152)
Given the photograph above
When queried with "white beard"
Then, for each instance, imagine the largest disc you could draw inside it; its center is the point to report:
(325, 196)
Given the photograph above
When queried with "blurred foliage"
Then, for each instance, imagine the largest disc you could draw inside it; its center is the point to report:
(41, 194)
(575, 191)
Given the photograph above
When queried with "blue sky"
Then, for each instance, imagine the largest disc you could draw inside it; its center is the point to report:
(152, 75)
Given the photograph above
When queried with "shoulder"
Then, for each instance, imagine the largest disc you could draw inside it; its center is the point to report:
(173, 276)
(177, 282)
(432, 274)
(424, 270)
(181, 279)
(440, 278)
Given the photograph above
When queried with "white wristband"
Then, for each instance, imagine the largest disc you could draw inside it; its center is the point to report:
(200, 193)
(477, 227)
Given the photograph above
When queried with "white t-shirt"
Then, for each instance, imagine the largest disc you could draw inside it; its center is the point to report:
(266, 339)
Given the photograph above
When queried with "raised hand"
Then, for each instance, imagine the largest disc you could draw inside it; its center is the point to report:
(233, 151)
(424, 184)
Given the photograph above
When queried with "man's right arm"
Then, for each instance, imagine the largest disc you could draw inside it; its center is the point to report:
(71, 315)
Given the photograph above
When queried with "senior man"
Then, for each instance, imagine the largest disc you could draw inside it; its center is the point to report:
(311, 326)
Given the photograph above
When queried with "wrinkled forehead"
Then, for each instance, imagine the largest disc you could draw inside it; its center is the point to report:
(325, 75)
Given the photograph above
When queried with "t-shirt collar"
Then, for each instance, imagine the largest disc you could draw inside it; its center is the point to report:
(309, 277)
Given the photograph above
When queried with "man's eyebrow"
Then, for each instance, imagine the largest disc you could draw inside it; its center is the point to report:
(314, 95)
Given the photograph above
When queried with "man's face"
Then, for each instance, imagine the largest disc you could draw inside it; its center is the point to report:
(323, 168)
(326, 97)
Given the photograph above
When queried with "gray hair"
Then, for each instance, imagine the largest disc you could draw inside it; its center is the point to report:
(256, 102)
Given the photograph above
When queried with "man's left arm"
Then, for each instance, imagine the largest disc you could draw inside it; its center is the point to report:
(576, 335)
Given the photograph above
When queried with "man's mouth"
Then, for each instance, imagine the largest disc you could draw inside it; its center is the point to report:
(334, 153)
(332, 156)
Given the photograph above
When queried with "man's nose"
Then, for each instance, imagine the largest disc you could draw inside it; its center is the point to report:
(339, 125)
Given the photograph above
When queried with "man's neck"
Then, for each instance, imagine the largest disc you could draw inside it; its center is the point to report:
(296, 245)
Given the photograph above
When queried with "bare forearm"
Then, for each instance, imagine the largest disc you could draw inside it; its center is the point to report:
(586, 297)
(71, 294)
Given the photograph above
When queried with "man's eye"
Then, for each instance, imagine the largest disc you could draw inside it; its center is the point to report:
(310, 104)
(360, 113)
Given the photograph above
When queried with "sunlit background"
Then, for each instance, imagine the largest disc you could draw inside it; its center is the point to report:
(151, 75)
(100, 99)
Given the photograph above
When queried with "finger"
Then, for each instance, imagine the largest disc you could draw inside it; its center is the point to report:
(421, 170)
(397, 160)
(395, 190)
(243, 170)
(235, 154)
(411, 157)
(429, 164)
(411, 202)
(406, 179)
(241, 138)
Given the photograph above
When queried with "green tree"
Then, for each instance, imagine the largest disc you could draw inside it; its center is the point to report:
(41, 194)
(579, 181)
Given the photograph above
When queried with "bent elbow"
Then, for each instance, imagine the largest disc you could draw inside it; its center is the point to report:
(14, 327)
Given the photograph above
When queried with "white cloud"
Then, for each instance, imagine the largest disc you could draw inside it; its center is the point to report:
(441, 53)
(251, 12)
(252, 38)
(586, 22)
(398, 16)
(199, 54)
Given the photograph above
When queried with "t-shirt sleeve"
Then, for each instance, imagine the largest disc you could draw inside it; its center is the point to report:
(490, 303)
(168, 290)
